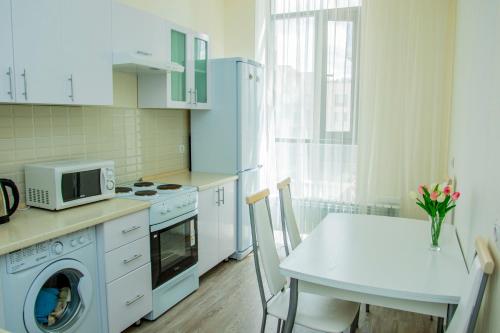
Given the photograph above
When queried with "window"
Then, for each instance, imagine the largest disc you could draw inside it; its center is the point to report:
(315, 53)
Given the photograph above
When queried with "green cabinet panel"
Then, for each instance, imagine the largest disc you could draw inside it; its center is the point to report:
(200, 69)
(178, 55)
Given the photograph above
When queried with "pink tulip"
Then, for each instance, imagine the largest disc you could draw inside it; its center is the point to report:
(421, 189)
(447, 190)
(434, 195)
(455, 196)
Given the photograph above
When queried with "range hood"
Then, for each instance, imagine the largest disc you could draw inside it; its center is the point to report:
(142, 63)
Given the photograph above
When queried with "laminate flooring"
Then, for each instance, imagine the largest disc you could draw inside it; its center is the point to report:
(228, 301)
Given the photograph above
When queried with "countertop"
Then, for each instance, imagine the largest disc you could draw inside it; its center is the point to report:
(34, 225)
(201, 180)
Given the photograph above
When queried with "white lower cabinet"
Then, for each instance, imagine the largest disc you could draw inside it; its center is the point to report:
(125, 270)
(216, 225)
(129, 298)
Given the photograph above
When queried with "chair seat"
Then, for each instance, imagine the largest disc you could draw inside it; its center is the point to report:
(315, 312)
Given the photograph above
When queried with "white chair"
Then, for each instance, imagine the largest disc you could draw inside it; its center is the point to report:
(315, 312)
(465, 317)
(288, 221)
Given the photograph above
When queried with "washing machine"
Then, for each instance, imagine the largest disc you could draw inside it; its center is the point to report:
(51, 286)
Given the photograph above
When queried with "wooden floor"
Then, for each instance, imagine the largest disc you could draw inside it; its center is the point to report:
(228, 301)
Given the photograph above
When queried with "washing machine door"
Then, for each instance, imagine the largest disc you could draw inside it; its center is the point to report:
(59, 298)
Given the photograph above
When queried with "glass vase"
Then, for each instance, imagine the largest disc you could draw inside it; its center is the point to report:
(436, 222)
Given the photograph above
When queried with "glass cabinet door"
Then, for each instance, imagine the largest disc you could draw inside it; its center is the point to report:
(200, 70)
(179, 56)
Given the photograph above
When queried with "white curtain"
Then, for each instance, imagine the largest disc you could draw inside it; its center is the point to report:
(358, 100)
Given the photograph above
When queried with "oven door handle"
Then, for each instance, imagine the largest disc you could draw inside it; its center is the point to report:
(170, 223)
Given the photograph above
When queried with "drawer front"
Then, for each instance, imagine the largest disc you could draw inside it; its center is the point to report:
(127, 258)
(129, 299)
(125, 229)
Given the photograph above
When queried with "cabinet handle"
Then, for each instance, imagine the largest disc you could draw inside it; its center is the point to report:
(132, 228)
(9, 74)
(72, 94)
(148, 54)
(196, 96)
(134, 257)
(223, 196)
(135, 299)
(218, 196)
(190, 101)
(25, 93)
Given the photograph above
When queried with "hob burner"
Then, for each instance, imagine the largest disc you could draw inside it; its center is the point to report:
(168, 187)
(143, 184)
(147, 193)
(123, 189)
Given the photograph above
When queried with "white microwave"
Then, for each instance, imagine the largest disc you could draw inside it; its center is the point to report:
(63, 184)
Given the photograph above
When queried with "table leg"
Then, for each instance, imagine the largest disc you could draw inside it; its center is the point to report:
(292, 305)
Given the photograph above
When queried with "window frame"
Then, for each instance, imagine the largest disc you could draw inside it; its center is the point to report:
(321, 19)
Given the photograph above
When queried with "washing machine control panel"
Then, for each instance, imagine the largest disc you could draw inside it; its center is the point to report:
(39, 253)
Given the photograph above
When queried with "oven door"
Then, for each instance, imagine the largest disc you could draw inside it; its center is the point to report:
(174, 247)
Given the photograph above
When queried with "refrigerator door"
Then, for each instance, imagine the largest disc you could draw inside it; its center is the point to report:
(248, 183)
(251, 118)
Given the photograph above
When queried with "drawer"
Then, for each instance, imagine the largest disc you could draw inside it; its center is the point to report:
(127, 258)
(129, 299)
(125, 229)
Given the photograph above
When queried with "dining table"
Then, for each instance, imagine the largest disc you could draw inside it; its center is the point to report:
(378, 260)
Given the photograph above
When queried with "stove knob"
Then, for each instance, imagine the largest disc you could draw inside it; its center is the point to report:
(179, 206)
(163, 212)
(57, 247)
(82, 240)
(74, 242)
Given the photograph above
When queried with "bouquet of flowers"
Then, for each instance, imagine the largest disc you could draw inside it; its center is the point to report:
(437, 200)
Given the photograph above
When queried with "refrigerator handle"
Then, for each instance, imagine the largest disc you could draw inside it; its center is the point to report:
(251, 169)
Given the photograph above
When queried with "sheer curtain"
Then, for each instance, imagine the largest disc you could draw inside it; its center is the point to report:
(357, 93)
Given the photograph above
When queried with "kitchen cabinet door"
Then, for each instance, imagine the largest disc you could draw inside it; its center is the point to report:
(227, 221)
(38, 51)
(7, 84)
(87, 51)
(139, 33)
(180, 93)
(208, 229)
(200, 71)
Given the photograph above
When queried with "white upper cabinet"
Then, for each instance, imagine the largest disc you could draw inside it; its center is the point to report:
(62, 51)
(140, 33)
(179, 90)
(200, 71)
(86, 43)
(38, 51)
(7, 84)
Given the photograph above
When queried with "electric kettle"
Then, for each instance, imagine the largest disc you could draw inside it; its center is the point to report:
(6, 209)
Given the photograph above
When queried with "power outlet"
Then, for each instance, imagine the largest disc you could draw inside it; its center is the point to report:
(181, 149)
(496, 234)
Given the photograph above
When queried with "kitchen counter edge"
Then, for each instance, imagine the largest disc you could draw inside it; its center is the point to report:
(34, 225)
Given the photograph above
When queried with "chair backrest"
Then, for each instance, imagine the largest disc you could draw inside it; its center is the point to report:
(465, 317)
(288, 221)
(264, 245)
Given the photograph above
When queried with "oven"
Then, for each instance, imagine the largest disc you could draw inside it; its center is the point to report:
(174, 247)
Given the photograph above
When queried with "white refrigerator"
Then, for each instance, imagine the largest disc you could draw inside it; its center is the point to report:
(230, 137)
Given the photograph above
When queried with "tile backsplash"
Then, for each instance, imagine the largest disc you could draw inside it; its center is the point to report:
(140, 141)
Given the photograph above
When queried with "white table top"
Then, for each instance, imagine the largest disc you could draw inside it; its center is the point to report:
(380, 255)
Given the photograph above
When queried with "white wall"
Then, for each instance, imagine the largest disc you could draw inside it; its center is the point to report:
(475, 136)
(239, 28)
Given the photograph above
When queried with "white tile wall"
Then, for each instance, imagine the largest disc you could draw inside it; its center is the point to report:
(140, 141)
